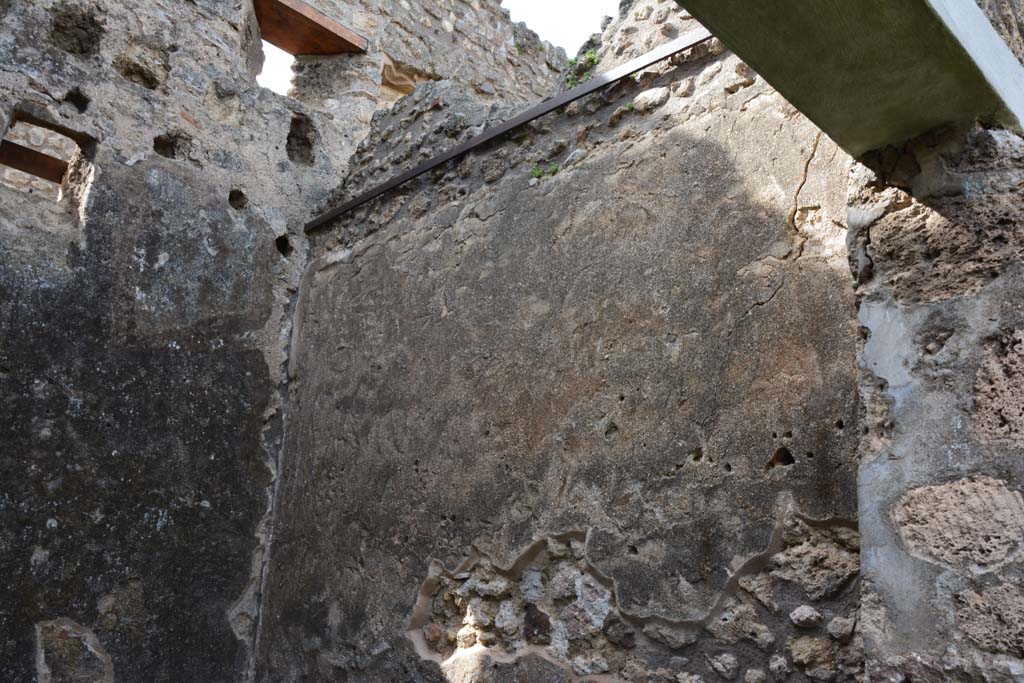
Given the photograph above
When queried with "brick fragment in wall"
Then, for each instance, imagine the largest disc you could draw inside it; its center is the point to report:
(999, 390)
(973, 525)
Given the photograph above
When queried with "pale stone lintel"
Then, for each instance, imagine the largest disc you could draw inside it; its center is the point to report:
(875, 74)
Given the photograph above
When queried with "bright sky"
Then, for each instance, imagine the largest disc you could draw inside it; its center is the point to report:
(566, 23)
(277, 69)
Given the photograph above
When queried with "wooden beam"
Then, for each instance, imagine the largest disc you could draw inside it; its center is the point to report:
(32, 162)
(299, 29)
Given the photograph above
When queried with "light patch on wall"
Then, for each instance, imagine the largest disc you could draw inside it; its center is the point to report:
(277, 69)
(566, 23)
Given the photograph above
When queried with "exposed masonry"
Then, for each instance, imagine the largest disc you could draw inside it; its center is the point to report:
(934, 250)
(975, 525)
(554, 604)
(999, 390)
(43, 140)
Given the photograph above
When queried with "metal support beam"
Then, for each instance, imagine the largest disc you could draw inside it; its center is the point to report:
(674, 47)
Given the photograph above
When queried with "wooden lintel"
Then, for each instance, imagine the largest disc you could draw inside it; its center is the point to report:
(299, 29)
(32, 162)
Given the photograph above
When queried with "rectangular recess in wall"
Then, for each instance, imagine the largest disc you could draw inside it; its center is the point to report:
(32, 162)
(299, 29)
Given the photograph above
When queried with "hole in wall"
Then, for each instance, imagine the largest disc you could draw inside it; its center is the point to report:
(697, 454)
(78, 99)
(237, 199)
(611, 430)
(144, 67)
(76, 29)
(302, 140)
(35, 160)
(781, 458)
(284, 246)
(173, 145)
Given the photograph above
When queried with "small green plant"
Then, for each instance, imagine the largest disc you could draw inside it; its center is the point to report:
(572, 62)
(572, 81)
(590, 58)
(629, 107)
(587, 76)
(538, 171)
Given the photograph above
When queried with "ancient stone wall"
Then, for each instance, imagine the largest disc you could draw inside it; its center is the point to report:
(144, 323)
(600, 401)
(582, 405)
(935, 251)
(935, 230)
(467, 41)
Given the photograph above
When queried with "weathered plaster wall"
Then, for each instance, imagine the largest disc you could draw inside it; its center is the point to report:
(587, 398)
(941, 479)
(934, 237)
(144, 323)
(142, 340)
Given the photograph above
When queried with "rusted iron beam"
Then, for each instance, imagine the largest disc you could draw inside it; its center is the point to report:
(667, 50)
(299, 29)
(32, 162)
